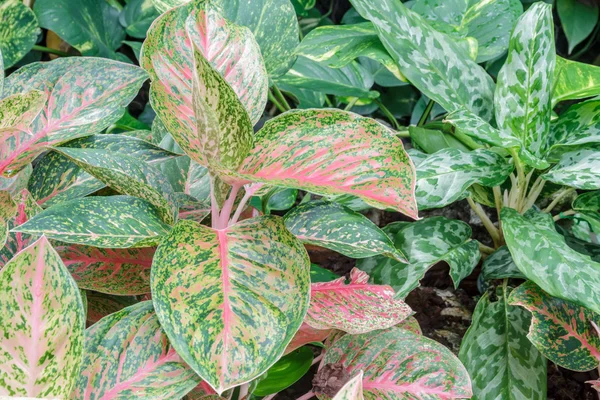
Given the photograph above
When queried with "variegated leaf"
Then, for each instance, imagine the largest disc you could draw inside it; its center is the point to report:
(356, 307)
(127, 175)
(400, 365)
(230, 300)
(18, 111)
(305, 335)
(500, 265)
(41, 322)
(561, 330)
(543, 257)
(99, 305)
(127, 355)
(110, 222)
(353, 389)
(443, 177)
(74, 108)
(111, 271)
(523, 94)
(190, 208)
(503, 364)
(8, 209)
(574, 80)
(17, 182)
(18, 32)
(333, 152)
(430, 60)
(411, 324)
(472, 125)
(338, 228)
(589, 201)
(579, 169)
(425, 243)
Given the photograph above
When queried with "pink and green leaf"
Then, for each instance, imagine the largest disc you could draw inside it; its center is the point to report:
(305, 335)
(230, 300)
(99, 305)
(42, 324)
(353, 389)
(19, 110)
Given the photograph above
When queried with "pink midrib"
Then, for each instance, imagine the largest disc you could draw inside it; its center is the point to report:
(227, 312)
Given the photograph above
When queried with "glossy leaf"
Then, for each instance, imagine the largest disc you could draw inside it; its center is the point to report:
(575, 80)
(561, 330)
(437, 65)
(285, 372)
(577, 19)
(18, 32)
(338, 228)
(333, 152)
(433, 140)
(500, 265)
(320, 274)
(432, 373)
(523, 93)
(352, 390)
(443, 177)
(579, 169)
(137, 16)
(356, 307)
(305, 335)
(472, 125)
(537, 249)
(237, 294)
(499, 357)
(425, 243)
(42, 323)
(91, 221)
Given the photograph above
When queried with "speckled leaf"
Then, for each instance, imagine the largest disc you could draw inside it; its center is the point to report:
(127, 355)
(543, 257)
(502, 362)
(74, 108)
(305, 335)
(42, 323)
(411, 324)
(589, 201)
(472, 125)
(560, 329)
(127, 175)
(8, 209)
(111, 271)
(338, 228)
(430, 60)
(18, 111)
(352, 390)
(100, 305)
(202, 23)
(399, 365)
(444, 176)
(192, 209)
(1, 73)
(18, 31)
(230, 300)
(425, 243)
(523, 94)
(333, 152)
(575, 80)
(500, 265)
(91, 221)
(356, 307)
(579, 169)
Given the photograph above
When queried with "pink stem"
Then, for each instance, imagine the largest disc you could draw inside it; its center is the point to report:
(227, 207)
(240, 207)
(306, 396)
(317, 359)
(269, 397)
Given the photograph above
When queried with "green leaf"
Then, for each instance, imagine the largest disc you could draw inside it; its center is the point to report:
(8, 209)
(561, 330)
(578, 20)
(443, 177)
(340, 229)
(543, 257)
(437, 65)
(285, 372)
(471, 125)
(319, 274)
(350, 80)
(425, 243)
(230, 300)
(579, 169)
(433, 372)
(501, 360)
(18, 32)
(42, 323)
(589, 201)
(500, 265)
(524, 87)
(431, 140)
(127, 355)
(136, 17)
(574, 80)
(18, 111)
(100, 305)
(127, 175)
(91, 221)
(94, 29)
(333, 152)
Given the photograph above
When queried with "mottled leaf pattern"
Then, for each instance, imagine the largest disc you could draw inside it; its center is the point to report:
(18, 32)
(579, 169)
(100, 305)
(472, 125)
(230, 300)
(500, 265)
(42, 323)
(589, 201)
(575, 128)
(398, 365)
(18, 111)
(352, 390)
(333, 152)
(575, 80)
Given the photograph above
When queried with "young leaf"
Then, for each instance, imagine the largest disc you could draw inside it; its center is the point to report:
(305, 335)
(543, 257)
(42, 323)
(579, 169)
(356, 307)
(563, 331)
(578, 20)
(91, 221)
(111, 271)
(353, 389)
(241, 293)
(575, 80)
(338, 228)
(443, 177)
(425, 243)
(499, 357)
(333, 152)
(432, 373)
(523, 93)
(18, 32)
(437, 65)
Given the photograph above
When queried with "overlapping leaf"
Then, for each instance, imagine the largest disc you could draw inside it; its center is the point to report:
(577, 19)
(589, 201)
(472, 125)
(500, 265)
(574, 80)
(285, 372)
(578, 168)
(18, 32)
(333, 152)
(230, 300)
(99, 305)
(305, 335)
(18, 111)
(352, 390)
(137, 16)
(42, 323)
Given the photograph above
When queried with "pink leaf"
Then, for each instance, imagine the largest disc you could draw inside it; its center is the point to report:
(307, 334)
